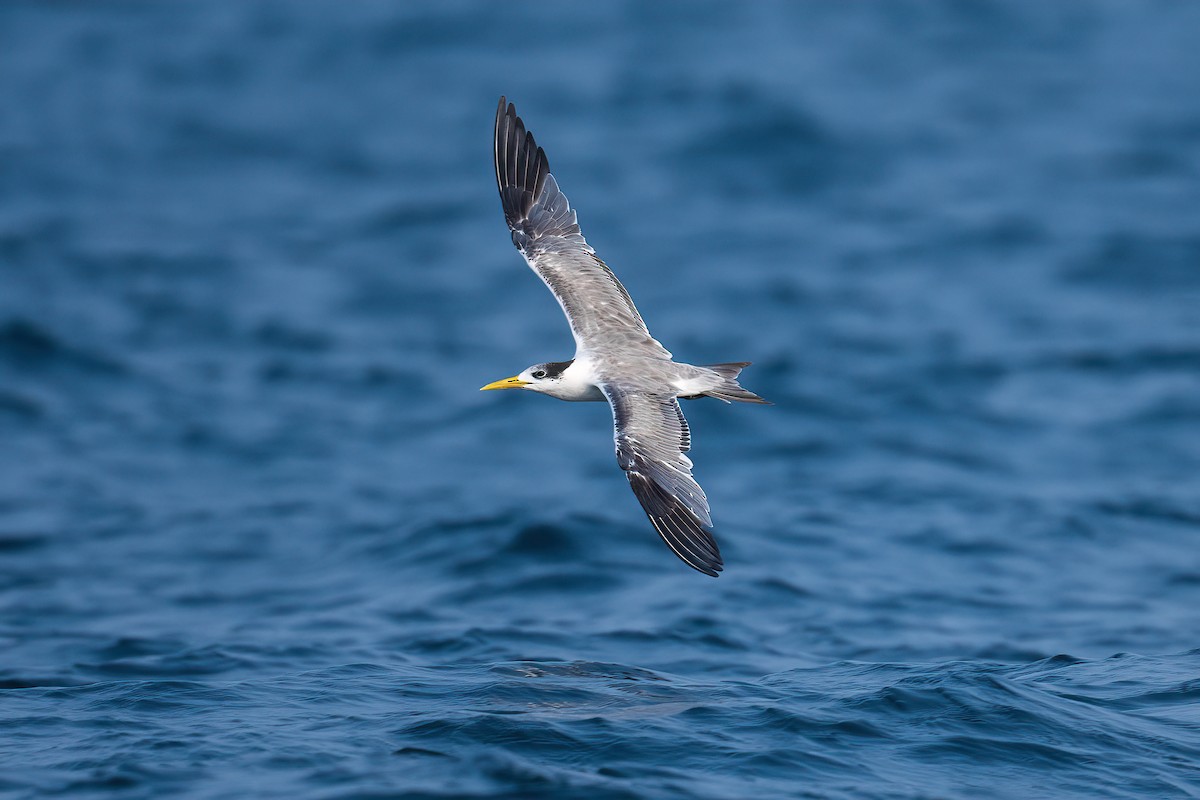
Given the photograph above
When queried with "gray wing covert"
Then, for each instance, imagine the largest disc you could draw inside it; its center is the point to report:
(652, 438)
(545, 229)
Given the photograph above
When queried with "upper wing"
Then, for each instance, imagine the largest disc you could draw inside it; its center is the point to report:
(652, 437)
(546, 232)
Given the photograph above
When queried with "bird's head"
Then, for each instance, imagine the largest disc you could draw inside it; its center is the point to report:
(539, 378)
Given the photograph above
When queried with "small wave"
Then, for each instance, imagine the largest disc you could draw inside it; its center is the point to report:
(26, 345)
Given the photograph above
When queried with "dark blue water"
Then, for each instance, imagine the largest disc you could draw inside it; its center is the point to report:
(261, 536)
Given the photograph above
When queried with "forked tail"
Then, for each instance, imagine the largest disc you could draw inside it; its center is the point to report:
(730, 390)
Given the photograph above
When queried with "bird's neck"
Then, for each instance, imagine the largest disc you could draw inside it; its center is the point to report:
(578, 383)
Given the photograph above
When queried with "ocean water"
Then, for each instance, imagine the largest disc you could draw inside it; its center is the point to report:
(261, 536)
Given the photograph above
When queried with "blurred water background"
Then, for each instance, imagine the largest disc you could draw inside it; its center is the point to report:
(261, 536)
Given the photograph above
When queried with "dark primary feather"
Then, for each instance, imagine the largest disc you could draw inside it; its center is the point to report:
(652, 436)
(545, 229)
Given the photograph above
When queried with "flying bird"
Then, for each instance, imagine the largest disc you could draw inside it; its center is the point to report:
(616, 358)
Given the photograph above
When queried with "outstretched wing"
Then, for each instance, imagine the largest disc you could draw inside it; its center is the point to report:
(652, 437)
(545, 230)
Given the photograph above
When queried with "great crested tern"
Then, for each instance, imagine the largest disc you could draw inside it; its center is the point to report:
(616, 358)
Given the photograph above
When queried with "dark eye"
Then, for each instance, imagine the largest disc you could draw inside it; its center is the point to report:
(539, 373)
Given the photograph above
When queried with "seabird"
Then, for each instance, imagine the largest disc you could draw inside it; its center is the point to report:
(616, 358)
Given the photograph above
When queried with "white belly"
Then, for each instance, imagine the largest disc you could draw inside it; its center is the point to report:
(688, 387)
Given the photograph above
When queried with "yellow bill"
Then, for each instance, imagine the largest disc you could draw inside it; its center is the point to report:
(514, 382)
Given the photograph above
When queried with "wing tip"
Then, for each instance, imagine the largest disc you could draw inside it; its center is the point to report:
(522, 168)
(532, 201)
(689, 538)
(711, 569)
(709, 564)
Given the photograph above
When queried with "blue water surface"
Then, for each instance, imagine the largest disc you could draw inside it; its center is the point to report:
(261, 536)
